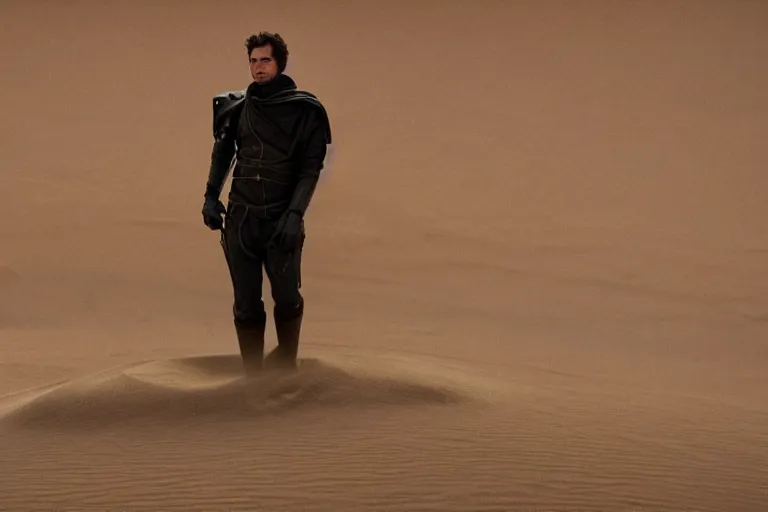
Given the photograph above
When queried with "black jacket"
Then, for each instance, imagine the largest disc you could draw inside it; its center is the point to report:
(278, 138)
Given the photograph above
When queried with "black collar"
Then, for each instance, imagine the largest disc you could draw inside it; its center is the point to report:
(280, 83)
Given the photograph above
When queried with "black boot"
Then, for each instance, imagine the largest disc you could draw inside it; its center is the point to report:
(288, 328)
(250, 338)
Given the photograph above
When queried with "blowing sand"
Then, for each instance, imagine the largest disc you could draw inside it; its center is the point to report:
(536, 269)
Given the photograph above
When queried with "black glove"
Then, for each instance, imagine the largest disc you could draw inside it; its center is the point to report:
(288, 232)
(213, 213)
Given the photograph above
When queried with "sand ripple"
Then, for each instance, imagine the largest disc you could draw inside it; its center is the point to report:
(367, 433)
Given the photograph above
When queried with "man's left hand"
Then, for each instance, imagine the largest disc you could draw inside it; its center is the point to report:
(288, 232)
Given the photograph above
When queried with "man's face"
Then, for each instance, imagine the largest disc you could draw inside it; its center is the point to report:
(263, 66)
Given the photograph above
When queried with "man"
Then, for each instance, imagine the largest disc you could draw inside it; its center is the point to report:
(277, 137)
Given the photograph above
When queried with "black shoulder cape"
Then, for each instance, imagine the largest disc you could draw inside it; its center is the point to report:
(229, 104)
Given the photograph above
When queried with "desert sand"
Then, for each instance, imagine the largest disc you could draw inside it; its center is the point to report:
(536, 271)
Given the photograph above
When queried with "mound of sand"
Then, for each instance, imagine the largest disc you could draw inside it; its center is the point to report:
(204, 389)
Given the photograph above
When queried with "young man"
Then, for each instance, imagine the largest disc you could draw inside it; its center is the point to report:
(277, 136)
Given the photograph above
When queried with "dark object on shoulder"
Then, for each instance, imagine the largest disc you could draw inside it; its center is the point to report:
(224, 105)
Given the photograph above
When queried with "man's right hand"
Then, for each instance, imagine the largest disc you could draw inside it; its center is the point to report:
(213, 213)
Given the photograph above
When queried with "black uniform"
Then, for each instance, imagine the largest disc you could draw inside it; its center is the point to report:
(277, 136)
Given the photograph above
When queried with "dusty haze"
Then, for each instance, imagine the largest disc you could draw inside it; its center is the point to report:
(536, 270)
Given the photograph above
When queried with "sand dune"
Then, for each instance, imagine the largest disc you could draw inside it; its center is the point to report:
(535, 277)
(211, 389)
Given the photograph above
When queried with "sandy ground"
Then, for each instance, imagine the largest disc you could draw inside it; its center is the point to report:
(536, 273)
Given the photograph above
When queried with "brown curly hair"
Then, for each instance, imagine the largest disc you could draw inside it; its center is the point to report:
(279, 48)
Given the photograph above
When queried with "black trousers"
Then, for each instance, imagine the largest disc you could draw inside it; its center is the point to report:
(245, 240)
